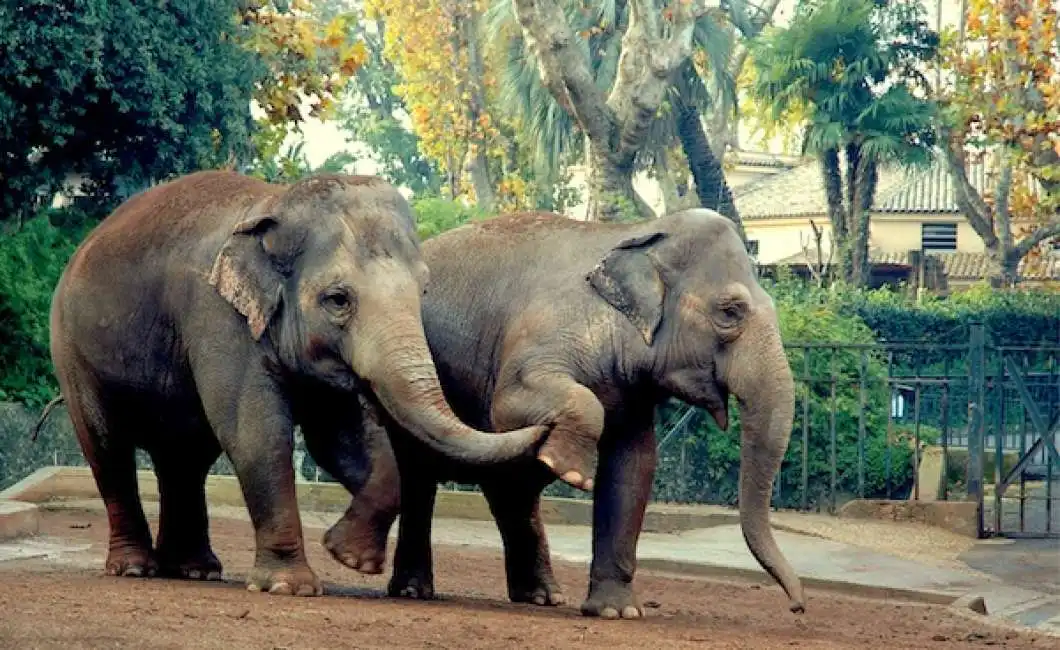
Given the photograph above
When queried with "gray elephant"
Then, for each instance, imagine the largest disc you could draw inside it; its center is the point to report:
(215, 312)
(539, 319)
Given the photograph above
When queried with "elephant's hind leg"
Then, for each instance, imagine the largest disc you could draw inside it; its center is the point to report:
(183, 549)
(516, 509)
(111, 455)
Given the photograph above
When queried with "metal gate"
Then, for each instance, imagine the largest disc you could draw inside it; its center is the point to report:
(1019, 435)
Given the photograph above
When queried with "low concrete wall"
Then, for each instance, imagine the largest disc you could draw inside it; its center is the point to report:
(18, 519)
(75, 483)
(955, 516)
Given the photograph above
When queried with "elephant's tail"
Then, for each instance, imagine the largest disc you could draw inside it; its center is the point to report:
(59, 399)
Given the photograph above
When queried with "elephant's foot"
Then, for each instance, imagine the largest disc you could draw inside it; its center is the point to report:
(571, 457)
(543, 592)
(358, 543)
(293, 580)
(612, 600)
(418, 585)
(130, 561)
(194, 564)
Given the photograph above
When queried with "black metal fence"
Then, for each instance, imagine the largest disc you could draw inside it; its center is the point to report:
(895, 420)
(901, 420)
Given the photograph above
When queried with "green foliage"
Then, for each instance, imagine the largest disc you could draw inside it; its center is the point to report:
(31, 262)
(292, 165)
(123, 92)
(435, 215)
(1022, 317)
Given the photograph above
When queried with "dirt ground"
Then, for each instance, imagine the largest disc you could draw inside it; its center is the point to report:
(70, 604)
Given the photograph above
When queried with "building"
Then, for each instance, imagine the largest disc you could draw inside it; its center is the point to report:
(917, 233)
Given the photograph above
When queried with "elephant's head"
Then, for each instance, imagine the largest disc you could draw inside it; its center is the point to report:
(707, 329)
(328, 274)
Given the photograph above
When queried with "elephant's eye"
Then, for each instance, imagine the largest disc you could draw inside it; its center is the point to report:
(337, 302)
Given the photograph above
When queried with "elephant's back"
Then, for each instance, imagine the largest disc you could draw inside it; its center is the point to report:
(127, 279)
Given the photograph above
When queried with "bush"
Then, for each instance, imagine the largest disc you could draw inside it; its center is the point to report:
(31, 261)
(435, 215)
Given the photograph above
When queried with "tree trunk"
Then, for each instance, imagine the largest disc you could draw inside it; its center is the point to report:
(711, 187)
(611, 193)
(837, 214)
(653, 47)
(861, 208)
(478, 165)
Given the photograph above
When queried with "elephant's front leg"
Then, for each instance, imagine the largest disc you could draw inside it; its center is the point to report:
(257, 433)
(624, 481)
(572, 410)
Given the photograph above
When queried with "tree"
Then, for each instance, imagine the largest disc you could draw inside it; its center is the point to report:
(434, 45)
(853, 67)
(1003, 109)
(656, 42)
(120, 92)
(376, 115)
(675, 137)
(310, 51)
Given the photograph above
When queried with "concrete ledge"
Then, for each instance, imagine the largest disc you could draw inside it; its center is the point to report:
(51, 484)
(955, 516)
(18, 519)
(678, 568)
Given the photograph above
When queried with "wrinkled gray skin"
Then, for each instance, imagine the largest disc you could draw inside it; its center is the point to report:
(538, 319)
(216, 312)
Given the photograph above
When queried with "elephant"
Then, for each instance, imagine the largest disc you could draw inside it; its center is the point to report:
(536, 318)
(215, 312)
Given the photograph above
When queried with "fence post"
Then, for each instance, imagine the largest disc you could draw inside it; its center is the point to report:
(976, 405)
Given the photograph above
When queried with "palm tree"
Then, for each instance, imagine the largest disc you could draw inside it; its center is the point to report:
(854, 65)
(553, 134)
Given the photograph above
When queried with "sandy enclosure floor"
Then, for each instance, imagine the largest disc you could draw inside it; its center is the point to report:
(68, 603)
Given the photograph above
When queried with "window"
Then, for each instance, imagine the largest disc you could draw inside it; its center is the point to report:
(752, 247)
(938, 236)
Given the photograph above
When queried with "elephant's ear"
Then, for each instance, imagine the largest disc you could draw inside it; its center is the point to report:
(629, 280)
(246, 272)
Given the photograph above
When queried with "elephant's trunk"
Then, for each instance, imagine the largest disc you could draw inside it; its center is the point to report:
(760, 377)
(397, 363)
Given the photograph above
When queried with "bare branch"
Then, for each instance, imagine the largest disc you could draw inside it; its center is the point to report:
(1002, 218)
(1048, 231)
(564, 68)
(968, 200)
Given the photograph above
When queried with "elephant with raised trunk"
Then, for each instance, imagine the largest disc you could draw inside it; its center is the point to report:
(214, 313)
(588, 327)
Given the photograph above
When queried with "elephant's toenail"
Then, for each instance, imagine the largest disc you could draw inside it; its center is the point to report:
(588, 487)
(630, 612)
(548, 461)
(307, 590)
(369, 566)
(609, 612)
(195, 574)
(213, 575)
(573, 477)
(281, 588)
(253, 587)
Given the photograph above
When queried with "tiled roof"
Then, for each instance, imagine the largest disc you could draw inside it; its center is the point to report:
(800, 191)
(763, 159)
(956, 266)
(974, 266)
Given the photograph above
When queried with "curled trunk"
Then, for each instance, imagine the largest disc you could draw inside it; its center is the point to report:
(403, 378)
